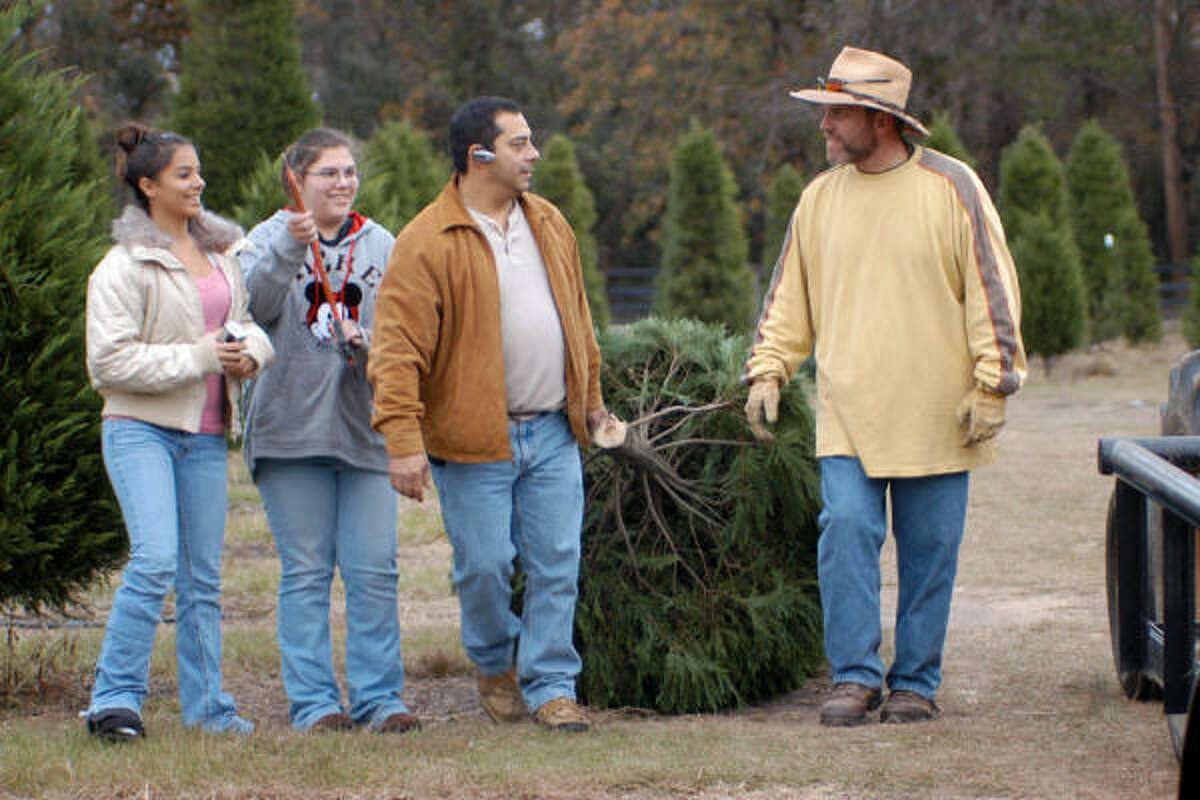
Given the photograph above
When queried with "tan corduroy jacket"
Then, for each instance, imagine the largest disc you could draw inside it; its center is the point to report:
(437, 358)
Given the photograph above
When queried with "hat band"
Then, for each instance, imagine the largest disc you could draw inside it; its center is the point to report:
(839, 85)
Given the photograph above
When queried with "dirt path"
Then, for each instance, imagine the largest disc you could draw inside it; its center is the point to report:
(1032, 708)
(1031, 702)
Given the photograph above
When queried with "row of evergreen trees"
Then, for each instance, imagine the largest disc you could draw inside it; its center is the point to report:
(1085, 262)
(1082, 252)
(698, 555)
(1085, 258)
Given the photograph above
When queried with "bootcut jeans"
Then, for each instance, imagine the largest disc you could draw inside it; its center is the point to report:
(530, 508)
(326, 514)
(928, 514)
(171, 486)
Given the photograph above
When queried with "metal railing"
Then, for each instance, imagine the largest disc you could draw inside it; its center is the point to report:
(1152, 574)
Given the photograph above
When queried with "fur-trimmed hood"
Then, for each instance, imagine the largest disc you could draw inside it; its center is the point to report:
(142, 294)
(213, 233)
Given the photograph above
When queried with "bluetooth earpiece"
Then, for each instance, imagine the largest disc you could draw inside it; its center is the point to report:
(483, 156)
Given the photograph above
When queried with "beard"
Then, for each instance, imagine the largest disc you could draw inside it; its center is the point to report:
(851, 151)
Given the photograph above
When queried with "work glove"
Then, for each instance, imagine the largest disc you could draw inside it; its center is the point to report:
(606, 429)
(982, 414)
(762, 404)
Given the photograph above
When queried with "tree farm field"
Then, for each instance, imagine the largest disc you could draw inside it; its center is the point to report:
(1032, 708)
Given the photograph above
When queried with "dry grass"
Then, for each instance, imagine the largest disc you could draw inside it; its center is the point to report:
(1032, 707)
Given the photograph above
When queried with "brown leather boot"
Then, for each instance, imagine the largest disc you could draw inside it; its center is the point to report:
(398, 722)
(905, 706)
(849, 704)
(562, 714)
(336, 721)
(501, 697)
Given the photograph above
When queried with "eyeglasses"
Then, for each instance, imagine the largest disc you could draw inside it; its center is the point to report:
(839, 85)
(332, 173)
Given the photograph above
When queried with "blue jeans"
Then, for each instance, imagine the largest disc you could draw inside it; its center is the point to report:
(326, 514)
(529, 508)
(928, 514)
(172, 489)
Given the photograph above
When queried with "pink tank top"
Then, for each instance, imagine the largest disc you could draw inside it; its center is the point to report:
(215, 298)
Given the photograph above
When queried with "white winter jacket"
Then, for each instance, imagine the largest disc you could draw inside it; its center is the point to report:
(147, 349)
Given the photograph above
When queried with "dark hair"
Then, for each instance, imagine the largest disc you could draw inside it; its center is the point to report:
(304, 152)
(143, 153)
(475, 123)
(897, 124)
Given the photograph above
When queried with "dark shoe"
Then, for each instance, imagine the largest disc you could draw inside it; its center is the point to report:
(337, 721)
(849, 704)
(501, 697)
(904, 706)
(116, 725)
(399, 722)
(562, 714)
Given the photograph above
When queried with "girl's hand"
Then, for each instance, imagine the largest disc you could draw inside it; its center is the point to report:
(302, 227)
(351, 331)
(235, 361)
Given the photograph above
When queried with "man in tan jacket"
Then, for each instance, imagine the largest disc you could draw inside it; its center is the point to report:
(896, 277)
(486, 374)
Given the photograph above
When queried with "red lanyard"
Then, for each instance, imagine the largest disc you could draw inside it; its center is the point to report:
(319, 269)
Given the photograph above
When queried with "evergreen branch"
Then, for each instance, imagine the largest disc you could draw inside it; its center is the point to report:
(637, 573)
(700, 550)
(9, 285)
(705, 442)
(672, 366)
(678, 498)
(641, 421)
(665, 531)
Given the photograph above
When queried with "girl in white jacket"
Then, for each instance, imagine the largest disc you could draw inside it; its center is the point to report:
(168, 341)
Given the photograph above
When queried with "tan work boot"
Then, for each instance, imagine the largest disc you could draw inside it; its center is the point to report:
(904, 706)
(334, 721)
(501, 697)
(849, 704)
(398, 722)
(562, 714)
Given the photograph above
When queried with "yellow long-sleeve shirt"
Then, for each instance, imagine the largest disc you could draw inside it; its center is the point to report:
(901, 285)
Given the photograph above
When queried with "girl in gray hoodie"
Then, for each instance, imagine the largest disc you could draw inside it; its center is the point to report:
(320, 468)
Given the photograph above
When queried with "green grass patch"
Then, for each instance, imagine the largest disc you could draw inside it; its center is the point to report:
(434, 652)
(46, 666)
(424, 583)
(420, 526)
(251, 587)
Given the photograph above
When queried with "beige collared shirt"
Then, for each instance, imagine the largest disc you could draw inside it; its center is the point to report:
(534, 356)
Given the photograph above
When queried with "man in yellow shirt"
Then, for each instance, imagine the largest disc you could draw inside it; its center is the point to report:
(895, 275)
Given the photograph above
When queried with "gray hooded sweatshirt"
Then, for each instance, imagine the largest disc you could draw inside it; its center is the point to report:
(311, 403)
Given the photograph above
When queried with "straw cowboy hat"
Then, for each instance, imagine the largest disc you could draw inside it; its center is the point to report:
(865, 78)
